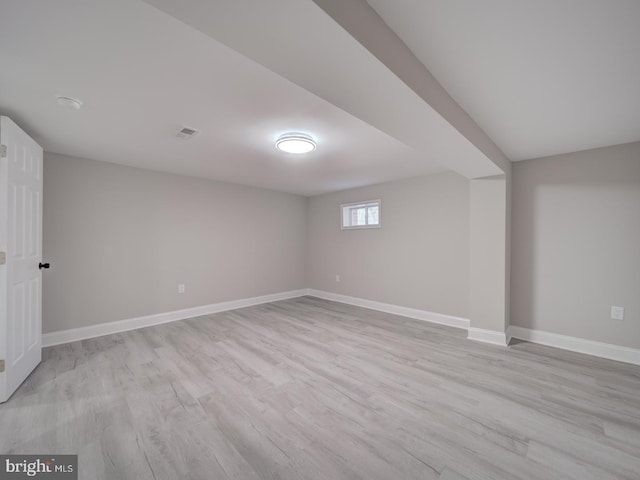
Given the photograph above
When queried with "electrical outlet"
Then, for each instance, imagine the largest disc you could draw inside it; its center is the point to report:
(617, 313)
(181, 287)
(338, 278)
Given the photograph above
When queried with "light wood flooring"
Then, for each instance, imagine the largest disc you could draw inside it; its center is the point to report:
(312, 389)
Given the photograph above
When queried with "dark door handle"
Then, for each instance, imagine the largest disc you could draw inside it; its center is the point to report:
(43, 265)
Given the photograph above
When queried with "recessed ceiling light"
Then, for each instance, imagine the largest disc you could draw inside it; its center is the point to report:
(69, 102)
(295, 143)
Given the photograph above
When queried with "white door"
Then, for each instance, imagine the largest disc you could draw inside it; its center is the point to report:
(21, 244)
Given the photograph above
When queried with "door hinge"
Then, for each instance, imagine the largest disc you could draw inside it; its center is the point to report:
(3, 258)
(1, 366)
(3, 151)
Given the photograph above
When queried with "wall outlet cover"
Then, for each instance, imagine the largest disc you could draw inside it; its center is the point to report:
(617, 313)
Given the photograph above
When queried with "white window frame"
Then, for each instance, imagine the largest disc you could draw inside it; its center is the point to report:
(360, 227)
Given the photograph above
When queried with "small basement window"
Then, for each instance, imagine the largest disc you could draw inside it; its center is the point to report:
(360, 214)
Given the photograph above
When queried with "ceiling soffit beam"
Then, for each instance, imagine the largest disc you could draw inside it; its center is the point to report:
(364, 24)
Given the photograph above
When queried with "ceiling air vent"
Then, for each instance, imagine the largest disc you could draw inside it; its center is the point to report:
(186, 133)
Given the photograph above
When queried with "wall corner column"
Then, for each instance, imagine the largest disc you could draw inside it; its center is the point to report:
(490, 207)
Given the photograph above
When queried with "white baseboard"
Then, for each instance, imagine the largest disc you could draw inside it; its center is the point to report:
(580, 345)
(574, 344)
(487, 336)
(91, 331)
(414, 313)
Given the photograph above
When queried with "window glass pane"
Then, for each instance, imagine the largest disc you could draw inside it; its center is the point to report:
(354, 216)
(358, 216)
(373, 215)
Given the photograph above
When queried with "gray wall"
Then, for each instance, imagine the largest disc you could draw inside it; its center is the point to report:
(120, 239)
(576, 244)
(420, 256)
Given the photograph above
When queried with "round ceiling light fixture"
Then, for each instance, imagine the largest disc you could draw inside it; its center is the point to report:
(69, 102)
(295, 143)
